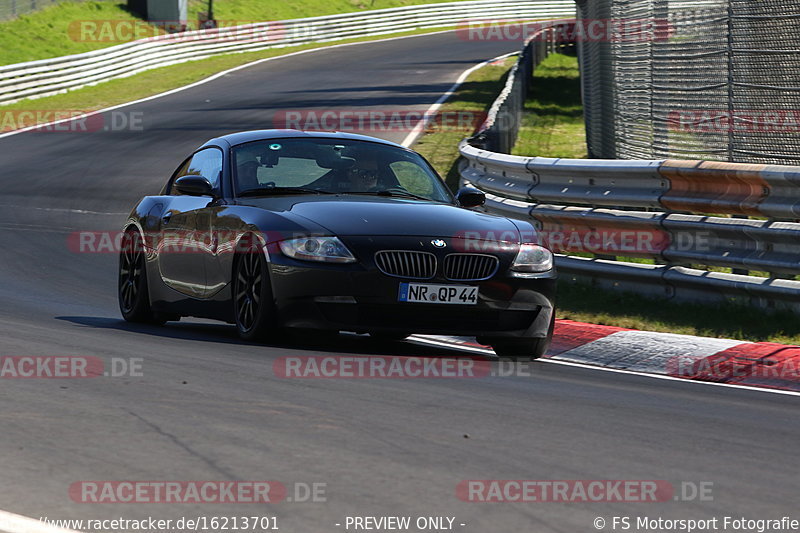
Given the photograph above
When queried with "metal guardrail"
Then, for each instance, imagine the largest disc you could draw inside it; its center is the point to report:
(667, 211)
(51, 76)
(589, 217)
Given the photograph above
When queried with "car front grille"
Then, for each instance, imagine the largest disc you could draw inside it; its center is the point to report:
(469, 267)
(406, 264)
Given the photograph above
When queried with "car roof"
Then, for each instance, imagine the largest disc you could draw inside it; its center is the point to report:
(233, 139)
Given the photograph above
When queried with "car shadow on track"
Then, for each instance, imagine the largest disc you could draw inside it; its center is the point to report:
(304, 341)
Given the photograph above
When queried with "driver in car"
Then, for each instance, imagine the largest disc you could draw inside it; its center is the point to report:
(247, 165)
(363, 176)
(247, 175)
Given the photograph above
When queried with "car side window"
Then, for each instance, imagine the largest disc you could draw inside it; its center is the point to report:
(206, 163)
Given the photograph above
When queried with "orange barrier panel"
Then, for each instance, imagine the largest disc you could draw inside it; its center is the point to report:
(714, 187)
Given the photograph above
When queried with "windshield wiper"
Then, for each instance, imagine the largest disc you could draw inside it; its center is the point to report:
(269, 191)
(395, 192)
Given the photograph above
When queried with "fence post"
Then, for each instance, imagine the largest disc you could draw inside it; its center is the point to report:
(660, 127)
(731, 81)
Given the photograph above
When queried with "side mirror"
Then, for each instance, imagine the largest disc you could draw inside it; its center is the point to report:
(469, 197)
(194, 186)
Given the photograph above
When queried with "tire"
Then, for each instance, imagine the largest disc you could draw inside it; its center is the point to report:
(132, 291)
(388, 336)
(523, 349)
(253, 305)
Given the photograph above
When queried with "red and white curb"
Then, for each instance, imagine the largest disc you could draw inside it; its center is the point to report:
(723, 361)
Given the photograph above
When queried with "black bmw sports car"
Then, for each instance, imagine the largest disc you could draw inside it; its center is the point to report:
(288, 229)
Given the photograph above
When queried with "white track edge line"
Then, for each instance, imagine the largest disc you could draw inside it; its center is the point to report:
(553, 360)
(15, 523)
(419, 129)
(445, 344)
(212, 78)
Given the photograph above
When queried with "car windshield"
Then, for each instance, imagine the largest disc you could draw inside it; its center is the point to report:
(287, 166)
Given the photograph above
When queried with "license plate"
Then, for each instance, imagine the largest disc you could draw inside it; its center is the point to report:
(438, 294)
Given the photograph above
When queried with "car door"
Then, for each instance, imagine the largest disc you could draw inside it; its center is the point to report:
(185, 228)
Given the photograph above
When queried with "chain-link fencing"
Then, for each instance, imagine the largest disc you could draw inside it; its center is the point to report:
(709, 79)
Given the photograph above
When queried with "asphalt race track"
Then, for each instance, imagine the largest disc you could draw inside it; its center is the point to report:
(209, 407)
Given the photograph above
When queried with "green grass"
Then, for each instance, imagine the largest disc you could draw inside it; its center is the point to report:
(46, 33)
(584, 303)
(439, 145)
(151, 82)
(54, 31)
(553, 123)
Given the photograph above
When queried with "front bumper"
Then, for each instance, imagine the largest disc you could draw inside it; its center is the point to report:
(358, 297)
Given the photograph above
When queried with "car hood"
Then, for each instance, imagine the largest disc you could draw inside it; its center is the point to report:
(369, 215)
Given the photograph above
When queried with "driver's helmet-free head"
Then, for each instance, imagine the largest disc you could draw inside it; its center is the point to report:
(247, 175)
(249, 158)
(363, 174)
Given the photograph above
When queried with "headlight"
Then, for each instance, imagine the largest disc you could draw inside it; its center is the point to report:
(323, 249)
(532, 258)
